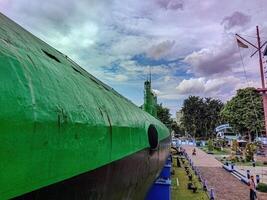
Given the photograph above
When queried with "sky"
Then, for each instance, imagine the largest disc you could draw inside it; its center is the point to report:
(188, 45)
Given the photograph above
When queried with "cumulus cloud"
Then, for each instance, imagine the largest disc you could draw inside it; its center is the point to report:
(167, 78)
(236, 19)
(121, 77)
(171, 4)
(210, 87)
(191, 86)
(160, 50)
(157, 92)
(213, 60)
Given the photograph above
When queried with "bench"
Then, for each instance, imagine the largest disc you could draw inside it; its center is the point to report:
(187, 172)
(192, 187)
(190, 177)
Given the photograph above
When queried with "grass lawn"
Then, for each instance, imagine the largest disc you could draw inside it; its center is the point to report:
(227, 151)
(217, 152)
(181, 192)
(249, 163)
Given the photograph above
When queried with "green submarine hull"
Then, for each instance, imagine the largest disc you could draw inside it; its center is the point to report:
(66, 135)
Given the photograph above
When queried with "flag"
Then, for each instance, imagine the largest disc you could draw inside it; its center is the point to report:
(241, 44)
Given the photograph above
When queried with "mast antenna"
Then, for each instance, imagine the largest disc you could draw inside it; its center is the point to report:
(258, 48)
(149, 73)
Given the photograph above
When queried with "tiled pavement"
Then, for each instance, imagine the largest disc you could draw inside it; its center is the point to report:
(226, 186)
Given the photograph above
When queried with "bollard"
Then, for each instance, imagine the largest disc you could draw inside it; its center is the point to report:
(212, 196)
(205, 185)
(232, 166)
(257, 179)
(178, 162)
(248, 174)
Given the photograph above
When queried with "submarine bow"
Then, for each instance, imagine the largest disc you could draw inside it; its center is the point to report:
(66, 135)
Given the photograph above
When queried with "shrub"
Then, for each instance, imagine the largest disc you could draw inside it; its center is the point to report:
(210, 145)
(262, 187)
(234, 146)
(249, 151)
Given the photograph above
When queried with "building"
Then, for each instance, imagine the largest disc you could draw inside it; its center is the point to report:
(179, 115)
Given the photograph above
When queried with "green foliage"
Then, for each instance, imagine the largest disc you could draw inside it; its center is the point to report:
(234, 146)
(201, 116)
(164, 115)
(249, 151)
(262, 187)
(219, 143)
(177, 129)
(210, 145)
(245, 111)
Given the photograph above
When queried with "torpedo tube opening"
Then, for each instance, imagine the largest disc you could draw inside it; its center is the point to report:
(51, 56)
(153, 137)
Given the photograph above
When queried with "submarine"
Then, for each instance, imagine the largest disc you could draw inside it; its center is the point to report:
(64, 134)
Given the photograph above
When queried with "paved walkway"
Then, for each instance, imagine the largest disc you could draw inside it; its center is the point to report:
(226, 186)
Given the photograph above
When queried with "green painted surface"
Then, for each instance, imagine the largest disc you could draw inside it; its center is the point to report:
(57, 120)
(150, 99)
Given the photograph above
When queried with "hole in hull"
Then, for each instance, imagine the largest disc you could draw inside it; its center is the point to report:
(153, 137)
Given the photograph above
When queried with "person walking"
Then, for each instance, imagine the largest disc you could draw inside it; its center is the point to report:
(194, 152)
(252, 188)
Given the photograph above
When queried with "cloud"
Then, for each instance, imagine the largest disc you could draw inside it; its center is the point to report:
(236, 19)
(167, 78)
(207, 87)
(191, 86)
(160, 50)
(4, 4)
(213, 60)
(171, 4)
(157, 92)
(121, 78)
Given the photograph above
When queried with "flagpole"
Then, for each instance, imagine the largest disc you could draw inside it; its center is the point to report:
(260, 58)
(264, 95)
(262, 90)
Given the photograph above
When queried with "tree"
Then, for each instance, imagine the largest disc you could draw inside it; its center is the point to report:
(249, 151)
(234, 146)
(210, 145)
(177, 129)
(192, 114)
(244, 112)
(200, 116)
(164, 115)
(212, 117)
